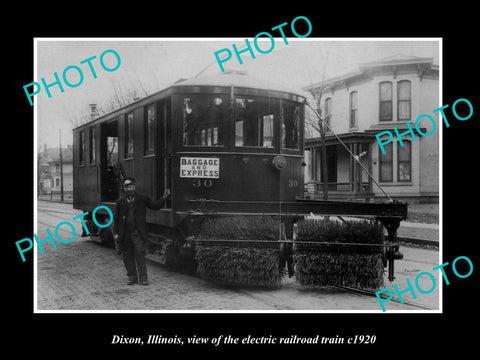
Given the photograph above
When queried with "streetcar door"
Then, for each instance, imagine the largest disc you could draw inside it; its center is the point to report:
(166, 150)
(110, 169)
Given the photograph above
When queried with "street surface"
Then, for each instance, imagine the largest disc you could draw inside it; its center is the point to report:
(84, 275)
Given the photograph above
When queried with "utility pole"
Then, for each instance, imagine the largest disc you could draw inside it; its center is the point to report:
(61, 165)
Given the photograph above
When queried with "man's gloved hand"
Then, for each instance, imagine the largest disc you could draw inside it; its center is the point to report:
(166, 194)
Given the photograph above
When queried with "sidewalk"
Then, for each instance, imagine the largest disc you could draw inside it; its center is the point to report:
(419, 233)
(422, 225)
(423, 213)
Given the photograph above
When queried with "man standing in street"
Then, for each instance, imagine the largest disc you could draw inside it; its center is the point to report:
(130, 229)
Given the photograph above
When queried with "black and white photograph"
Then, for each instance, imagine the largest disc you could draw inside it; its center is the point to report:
(237, 175)
(298, 182)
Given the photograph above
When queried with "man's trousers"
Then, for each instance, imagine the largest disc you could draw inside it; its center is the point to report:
(134, 256)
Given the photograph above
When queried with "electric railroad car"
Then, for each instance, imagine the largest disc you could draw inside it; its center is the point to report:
(226, 143)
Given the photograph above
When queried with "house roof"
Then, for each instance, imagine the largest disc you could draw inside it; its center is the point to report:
(350, 137)
(367, 136)
(397, 59)
(337, 80)
(365, 70)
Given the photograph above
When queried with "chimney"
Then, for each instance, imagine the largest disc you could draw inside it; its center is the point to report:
(93, 111)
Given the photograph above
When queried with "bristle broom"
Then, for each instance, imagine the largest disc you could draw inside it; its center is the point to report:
(340, 267)
(245, 265)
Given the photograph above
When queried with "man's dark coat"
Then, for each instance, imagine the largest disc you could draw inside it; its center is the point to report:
(141, 204)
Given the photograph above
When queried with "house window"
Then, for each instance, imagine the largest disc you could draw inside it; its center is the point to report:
(404, 161)
(81, 148)
(386, 163)
(353, 109)
(92, 145)
(57, 182)
(385, 101)
(404, 97)
(149, 133)
(129, 133)
(328, 111)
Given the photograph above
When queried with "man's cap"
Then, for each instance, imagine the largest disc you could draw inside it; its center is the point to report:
(129, 181)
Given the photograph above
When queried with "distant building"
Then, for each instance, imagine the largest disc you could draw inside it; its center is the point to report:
(357, 106)
(49, 178)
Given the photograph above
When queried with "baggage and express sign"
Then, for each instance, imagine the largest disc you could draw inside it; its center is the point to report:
(199, 167)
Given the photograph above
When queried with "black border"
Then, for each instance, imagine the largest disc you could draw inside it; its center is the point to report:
(90, 334)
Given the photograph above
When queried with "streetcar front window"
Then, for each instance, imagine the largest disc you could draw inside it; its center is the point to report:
(291, 120)
(254, 122)
(203, 120)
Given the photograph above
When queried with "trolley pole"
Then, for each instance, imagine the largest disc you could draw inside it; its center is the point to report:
(61, 165)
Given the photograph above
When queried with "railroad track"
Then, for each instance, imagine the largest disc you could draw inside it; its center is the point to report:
(417, 243)
(372, 293)
(267, 298)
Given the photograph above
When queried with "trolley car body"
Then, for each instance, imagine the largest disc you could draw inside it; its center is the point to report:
(225, 143)
(238, 126)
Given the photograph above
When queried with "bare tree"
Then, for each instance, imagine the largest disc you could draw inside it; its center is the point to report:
(318, 125)
(77, 118)
(121, 96)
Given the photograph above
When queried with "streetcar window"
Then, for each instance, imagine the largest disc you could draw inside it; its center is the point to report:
(92, 145)
(253, 123)
(129, 147)
(81, 148)
(290, 114)
(203, 119)
(112, 150)
(267, 130)
(149, 140)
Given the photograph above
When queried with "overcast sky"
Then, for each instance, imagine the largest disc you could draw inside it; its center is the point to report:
(158, 63)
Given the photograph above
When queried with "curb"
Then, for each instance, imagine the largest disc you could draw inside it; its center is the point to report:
(416, 241)
(56, 201)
